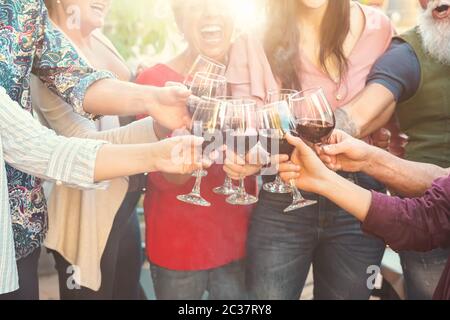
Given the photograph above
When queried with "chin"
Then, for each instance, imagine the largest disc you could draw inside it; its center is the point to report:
(217, 54)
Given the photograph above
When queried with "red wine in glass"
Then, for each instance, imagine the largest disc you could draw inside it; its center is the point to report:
(315, 131)
(243, 143)
(270, 140)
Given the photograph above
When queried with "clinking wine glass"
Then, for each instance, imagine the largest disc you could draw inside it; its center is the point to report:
(206, 122)
(228, 188)
(314, 122)
(274, 121)
(278, 186)
(208, 85)
(241, 136)
(205, 65)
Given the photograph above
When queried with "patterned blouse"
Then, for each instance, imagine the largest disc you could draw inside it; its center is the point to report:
(30, 44)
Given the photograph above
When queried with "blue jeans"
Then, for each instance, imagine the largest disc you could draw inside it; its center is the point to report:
(282, 248)
(224, 283)
(422, 272)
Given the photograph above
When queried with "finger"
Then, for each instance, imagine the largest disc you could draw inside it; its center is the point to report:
(235, 168)
(289, 167)
(298, 143)
(336, 149)
(174, 84)
(288, 176)
(180, 92)
(230, 173)
(281, 158)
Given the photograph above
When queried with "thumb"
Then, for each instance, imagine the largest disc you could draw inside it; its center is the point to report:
(178, 89)
(335, 149)
(297, 143)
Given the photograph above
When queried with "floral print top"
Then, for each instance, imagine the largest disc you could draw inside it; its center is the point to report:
(30, 44)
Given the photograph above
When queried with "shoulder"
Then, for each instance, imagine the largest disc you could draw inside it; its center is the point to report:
(378, 24)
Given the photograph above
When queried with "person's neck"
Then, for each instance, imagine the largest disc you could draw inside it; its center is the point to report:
(78, 35)
(183, 62)
(311, 19)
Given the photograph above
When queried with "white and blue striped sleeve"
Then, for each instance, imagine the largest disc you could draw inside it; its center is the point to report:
(36, 150)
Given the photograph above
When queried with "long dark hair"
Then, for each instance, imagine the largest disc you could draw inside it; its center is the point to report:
(282, 39)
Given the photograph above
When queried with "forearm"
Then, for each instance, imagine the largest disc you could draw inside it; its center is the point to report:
(141, 131)
(367, 112)
(346, 195)
(406, 178)
(115, 161)
(114, 97)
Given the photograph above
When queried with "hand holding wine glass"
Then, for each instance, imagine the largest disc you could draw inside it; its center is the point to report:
(345, 153)
(314, 121)
(241, 136)
(278, 96)
(206, 122)
(305, 169)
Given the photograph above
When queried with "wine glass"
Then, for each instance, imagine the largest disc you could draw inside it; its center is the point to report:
(274, 121)
(205, 65)
(228, 188)
(205, 85)
(278, 186)
(314, 121)
(241, 136)
(206, 122)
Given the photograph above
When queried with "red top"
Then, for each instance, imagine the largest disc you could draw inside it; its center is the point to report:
(180, 236)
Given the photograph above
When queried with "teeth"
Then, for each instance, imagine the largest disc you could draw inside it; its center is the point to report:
(211, 29)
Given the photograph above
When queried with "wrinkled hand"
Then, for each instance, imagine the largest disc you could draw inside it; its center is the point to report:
(171, 111)
(305, 167)
(382, 138)
(345, 153)
(179, 155)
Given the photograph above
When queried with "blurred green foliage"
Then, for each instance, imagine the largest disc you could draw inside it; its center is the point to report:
(141, 27)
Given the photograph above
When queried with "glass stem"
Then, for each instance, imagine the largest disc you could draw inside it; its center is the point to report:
(295, 192)
(278, 180)
(242, 187)
(228, 183)
(198, 183)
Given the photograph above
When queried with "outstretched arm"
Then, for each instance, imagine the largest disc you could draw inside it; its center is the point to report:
(421, 223)
(32, 148)
(404, 177)
(367, 112)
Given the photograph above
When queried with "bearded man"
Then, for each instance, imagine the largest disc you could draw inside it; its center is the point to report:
(412, 80)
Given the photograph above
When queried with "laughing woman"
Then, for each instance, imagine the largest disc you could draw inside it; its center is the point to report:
(328, 44)
(194, 249)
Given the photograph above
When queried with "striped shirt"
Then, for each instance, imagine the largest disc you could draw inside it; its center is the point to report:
(28, 146)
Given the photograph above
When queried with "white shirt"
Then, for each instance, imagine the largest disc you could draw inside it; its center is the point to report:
(28, 146)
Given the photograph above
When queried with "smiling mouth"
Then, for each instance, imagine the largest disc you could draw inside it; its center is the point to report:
(442, 11)
(212, 33)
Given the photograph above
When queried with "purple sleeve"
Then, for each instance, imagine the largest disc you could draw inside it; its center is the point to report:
(420, 224)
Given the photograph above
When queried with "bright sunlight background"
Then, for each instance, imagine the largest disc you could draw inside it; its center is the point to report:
(145, 31)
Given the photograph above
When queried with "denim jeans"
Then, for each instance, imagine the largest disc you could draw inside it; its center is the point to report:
(422, 272)
(282, 248)
(224, 283)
